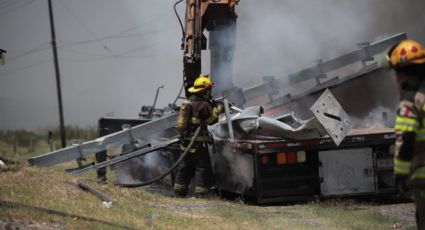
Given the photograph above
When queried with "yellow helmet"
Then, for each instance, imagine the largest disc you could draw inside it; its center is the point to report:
(201, 83)
(407, 52)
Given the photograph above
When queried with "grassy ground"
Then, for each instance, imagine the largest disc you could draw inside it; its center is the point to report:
(49, 188)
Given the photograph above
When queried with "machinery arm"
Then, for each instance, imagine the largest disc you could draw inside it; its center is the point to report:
(200, 15)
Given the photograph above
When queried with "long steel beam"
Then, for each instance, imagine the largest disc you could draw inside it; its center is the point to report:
(270, 87)
(143, 131)
(126, 156)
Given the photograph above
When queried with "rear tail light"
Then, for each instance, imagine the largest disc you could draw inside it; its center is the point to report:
(292, 157)
(264, 160)
(289, 158)
(281, 158)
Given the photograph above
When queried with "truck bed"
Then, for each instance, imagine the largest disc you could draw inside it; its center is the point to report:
(288, 170)
(355, 134)
(365, 131)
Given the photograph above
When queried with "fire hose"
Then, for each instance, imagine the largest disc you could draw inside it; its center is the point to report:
(182, 156)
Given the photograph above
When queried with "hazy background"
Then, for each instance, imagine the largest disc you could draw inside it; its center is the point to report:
(114, 54)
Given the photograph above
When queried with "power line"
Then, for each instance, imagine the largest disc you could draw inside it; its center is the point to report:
(123, 54)
(99, 58)
(65, 48)
(25, 67)
(136, 50)
(4, 5)
(135, 27)
(16, 8)
(47, 46)
(42, 47)
(114, 56)
(117, 35)
(5, 8)
(91, 33)
(120, 34)
(111, 37)
(95, 57)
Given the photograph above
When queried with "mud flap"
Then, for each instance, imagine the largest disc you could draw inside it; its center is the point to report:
(331, 116)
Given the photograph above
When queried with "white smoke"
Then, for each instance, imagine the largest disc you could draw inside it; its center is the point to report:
(379, 117)
(141, 169)
(234, 168)
(146, 167)
(277, 37)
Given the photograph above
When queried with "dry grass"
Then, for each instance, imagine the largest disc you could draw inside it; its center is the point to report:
(139, 209)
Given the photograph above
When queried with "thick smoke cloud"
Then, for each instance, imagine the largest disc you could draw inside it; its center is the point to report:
(232, 170)
(273, 37)
(277, 37)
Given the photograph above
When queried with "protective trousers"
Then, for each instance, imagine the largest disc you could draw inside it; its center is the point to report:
(195, 163)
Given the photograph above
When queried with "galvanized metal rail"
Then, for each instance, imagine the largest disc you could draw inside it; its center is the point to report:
(125, 157)
(126, 136)
(278, 101)
(271, 86)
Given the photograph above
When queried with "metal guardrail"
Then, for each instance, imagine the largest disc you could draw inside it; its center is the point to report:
(124, 157)
(126, 136)
(271, 86)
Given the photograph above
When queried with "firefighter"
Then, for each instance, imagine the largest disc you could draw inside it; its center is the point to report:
(408, 60)
(199, 110)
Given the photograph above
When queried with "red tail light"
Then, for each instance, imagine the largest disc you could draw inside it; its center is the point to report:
(264, 160)
(281, 158)
(292, 157)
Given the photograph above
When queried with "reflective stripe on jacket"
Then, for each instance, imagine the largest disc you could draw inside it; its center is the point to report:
(410, 133)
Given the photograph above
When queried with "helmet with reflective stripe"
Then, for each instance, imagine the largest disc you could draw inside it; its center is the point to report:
(201, 84)
(406, 53)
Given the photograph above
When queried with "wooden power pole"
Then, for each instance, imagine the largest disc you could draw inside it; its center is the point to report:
(58, 81)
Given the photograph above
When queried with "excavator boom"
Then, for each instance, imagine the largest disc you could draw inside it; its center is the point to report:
(212, 15)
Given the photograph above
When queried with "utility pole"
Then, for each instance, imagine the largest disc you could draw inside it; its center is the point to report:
(58, 81)
(2, 58)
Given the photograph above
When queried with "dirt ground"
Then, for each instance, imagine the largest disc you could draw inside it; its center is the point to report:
(405, 212)
(155, 207)
(9, 224)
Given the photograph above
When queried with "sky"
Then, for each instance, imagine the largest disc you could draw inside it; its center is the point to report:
(114, 54)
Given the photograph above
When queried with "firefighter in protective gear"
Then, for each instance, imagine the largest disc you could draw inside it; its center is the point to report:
(197, 162)
(408, 60)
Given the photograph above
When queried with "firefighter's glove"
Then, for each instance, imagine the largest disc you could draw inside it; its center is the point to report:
(401, 184)
(218, 109)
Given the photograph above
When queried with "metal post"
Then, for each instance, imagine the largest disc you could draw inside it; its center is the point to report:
(50, 141)
(32, 145)
(58, 82)
(229, 121)
(154, 102)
